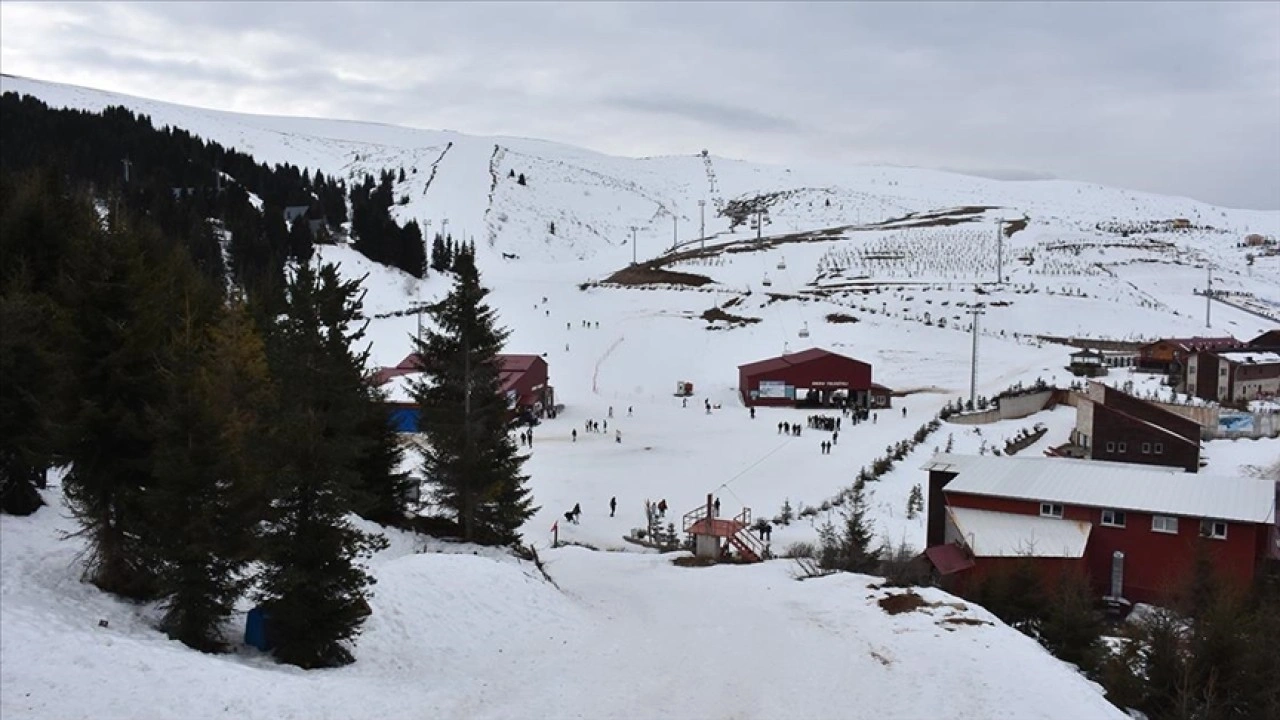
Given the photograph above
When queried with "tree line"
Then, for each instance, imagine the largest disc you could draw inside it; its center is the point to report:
(217, 437)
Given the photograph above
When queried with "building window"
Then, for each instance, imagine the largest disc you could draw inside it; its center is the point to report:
(1053, 510)
(1159, 448)
(1164, 524)
(1121, 447)
(1146, 448)
(1111, 447)
(1113, 518)
(1216, 529)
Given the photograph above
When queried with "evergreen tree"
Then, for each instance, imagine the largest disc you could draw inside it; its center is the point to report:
(1072, 628)
(300, 248)
(439, 259)
(212, 467)
(311, 586)
(413, 253)
(470, 462)
(520, 180)
(121, 296)
(39, 218)
(382, 493)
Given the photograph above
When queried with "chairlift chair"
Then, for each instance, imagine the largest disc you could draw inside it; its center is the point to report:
(804, 330)
(782, 264)
(766, 282)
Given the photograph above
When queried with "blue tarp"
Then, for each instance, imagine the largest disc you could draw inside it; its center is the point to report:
(404, 419)
(255, 630)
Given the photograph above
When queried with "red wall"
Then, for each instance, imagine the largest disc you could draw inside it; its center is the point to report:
(534, 377)
(832, 367)
(1154, 562)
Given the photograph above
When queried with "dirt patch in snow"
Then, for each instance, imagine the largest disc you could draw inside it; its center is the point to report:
(898, 604)
(718, 315)
(641, 275)
(841, 318)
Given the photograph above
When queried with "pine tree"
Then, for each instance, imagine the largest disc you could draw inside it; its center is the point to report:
(310, 586)
(470, 460)
(382, 493)
(121, 296)
(1072, 628)
(439, 258)
(212, 467)
(915, 502)
(413, 253)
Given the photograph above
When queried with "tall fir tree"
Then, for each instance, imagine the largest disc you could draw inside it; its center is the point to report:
(439, 256)
(212, 466)
(311, 586)
(121, 293)
(470, 461)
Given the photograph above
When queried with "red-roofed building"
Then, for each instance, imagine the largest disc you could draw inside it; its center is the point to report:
(810, 378)
(1170, 354)
(524, 383)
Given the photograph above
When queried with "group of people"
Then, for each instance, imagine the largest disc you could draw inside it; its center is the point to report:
(526, 438)
(585, 324)
(824, 422)
(786, 428)
(826, 445)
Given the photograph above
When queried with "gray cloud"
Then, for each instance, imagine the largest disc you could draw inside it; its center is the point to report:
(712, 114)
(1178, 98)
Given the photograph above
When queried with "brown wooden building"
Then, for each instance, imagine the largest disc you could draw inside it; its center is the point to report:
(1234, 376)
(1118, 427)
(1170, 354)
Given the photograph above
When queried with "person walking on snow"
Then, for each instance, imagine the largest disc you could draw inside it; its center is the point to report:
(904, 412)
(753, 412)
(628, 411)
(613, 506)
(835, 438)
(610, 411)
(575, 434)
(618, 436)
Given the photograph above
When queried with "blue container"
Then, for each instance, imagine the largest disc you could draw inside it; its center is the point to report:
(255, 630)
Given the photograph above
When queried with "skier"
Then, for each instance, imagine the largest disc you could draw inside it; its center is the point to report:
(904, 412)
(606, 426)
(618, 436)
(753, 412)
(874, 417)
(628, 411)
(610, 411)
(613, 506)
(575, 434)
(835, 438)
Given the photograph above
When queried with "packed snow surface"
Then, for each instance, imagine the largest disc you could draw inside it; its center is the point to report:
(462, 635)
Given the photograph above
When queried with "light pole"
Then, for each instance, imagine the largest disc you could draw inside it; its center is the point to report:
(702, 223)
(975, 311)
(999, 252)
(633, 244)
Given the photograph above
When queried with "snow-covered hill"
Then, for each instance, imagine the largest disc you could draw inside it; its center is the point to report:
(894, 254)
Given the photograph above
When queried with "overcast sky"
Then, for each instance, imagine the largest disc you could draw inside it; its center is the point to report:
(1178, 98)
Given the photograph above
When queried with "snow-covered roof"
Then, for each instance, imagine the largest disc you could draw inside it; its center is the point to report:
(1253, 357)
(399, 389)
(1121, 486)
(998, 534)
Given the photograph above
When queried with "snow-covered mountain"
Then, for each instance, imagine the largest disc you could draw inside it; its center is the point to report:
(876, 262)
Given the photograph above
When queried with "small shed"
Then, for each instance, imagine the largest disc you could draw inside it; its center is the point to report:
(1088, 363)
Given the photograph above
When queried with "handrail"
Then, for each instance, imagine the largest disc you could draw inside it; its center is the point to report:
(693, 516)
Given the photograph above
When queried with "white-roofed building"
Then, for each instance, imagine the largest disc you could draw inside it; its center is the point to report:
(1134, 529)
(1234, 376)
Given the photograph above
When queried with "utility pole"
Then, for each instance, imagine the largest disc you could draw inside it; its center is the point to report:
(975, 311)
(127, 164)
(675, 231)
(702, 223)
(999, 251)
(633, 244)
(1208, 294)
(444, 228)
(759, 224)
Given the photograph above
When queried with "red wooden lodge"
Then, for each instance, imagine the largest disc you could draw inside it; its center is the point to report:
(810, 378)
(524, 381)
(1134, 530)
